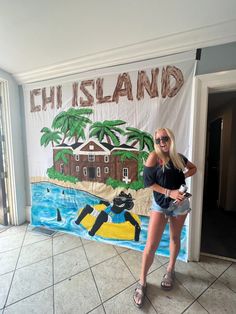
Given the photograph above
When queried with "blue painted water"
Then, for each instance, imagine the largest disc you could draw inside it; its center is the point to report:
(48, 197)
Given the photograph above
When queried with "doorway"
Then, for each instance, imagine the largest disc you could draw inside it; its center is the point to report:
(204, 84)
(91, 173)
(219, 204)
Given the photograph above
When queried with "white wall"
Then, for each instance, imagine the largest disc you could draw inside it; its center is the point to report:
(16, 113)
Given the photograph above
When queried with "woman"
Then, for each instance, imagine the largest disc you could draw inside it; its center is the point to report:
(164, 172)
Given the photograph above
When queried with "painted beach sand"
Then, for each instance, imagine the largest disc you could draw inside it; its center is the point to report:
(51, 200)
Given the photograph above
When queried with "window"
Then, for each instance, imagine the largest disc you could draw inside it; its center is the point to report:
(125, 172)
(106, 158)
(106, 170)
(85, 171)
(77, 157)
(91, 147)
(77, 168)
(91, 158)
(98, 172)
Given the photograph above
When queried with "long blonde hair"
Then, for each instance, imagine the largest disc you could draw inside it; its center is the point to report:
(173, 155)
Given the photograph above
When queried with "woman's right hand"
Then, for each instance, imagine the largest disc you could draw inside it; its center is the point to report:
(176, 195)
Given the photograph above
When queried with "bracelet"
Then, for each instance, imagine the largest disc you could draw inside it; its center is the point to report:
(167, 193)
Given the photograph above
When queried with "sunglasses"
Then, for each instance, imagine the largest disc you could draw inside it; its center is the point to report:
(164, 139)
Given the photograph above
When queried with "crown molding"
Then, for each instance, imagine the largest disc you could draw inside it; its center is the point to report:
(207, 36)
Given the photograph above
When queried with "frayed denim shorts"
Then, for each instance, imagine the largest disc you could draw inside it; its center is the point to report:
(182, 209)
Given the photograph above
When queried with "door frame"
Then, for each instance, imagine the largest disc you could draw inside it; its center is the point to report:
(215, 82)
(10, 186)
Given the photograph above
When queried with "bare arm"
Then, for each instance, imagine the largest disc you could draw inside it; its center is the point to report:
(191, 169)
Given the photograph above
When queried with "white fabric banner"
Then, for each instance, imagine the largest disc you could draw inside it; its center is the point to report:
(164, 101)
(93, 131)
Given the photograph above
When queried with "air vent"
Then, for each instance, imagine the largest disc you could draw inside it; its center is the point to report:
(44, 231)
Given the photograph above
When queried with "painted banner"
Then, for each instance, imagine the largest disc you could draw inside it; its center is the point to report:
(88, 136)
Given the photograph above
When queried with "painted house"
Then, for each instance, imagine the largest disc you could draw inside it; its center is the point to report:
(95, 161)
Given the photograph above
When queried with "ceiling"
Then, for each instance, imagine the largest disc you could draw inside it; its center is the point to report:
(46, 38)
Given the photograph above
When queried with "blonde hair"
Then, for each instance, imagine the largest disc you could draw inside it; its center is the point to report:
(173, 155)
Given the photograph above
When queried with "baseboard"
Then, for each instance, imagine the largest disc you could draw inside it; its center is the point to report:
(219, 257)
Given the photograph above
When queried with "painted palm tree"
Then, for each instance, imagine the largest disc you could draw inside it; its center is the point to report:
(107, 129)
(49, 136)
(62, 155)
(137, 136)
(72, 122)
(142, 157)
(125, 155)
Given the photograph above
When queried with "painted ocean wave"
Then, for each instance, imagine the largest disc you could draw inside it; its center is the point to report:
(47, 198)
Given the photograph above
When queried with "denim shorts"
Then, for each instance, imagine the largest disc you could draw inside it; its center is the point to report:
(182, 209)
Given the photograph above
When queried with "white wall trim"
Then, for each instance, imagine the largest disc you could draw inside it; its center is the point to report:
(198, 38)
(28, 213)
(221, 81)
(11, 184)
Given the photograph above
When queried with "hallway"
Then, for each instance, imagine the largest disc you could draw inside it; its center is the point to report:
(67, 274)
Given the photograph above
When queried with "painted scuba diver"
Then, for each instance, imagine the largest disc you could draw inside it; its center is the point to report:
(116, 212)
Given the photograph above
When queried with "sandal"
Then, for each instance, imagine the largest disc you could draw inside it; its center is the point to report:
(139, 294)
(168, 281)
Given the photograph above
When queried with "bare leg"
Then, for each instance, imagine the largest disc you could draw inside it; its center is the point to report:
(176, 225)
(155, 230)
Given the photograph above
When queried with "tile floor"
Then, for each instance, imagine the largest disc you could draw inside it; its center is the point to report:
(67, 274)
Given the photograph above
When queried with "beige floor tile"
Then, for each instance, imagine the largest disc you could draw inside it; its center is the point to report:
(112, 276)
(31, 279)
(115, 270)
(39, 303)
(58, 234)
(69, 263)
(229, 277)
(76, 295)
(85, 241)
(5, 281)
(123, 303)
(174, 301)
(98, 310)
(33, 237)
(121, 249)
(133, 260)
(11, 241)
(194, 278)
(214, 266)
(8, 261)
(98, 252)
(218, 299)
(162, 259)
(3, 228)
(35, 252)
(195, 308)
(16, 229)
(65, 242)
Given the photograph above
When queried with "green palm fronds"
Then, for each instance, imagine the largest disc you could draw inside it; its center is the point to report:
(49, 136)
(61, 155)
(72, 122)
(137, 136)
(107, 129)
